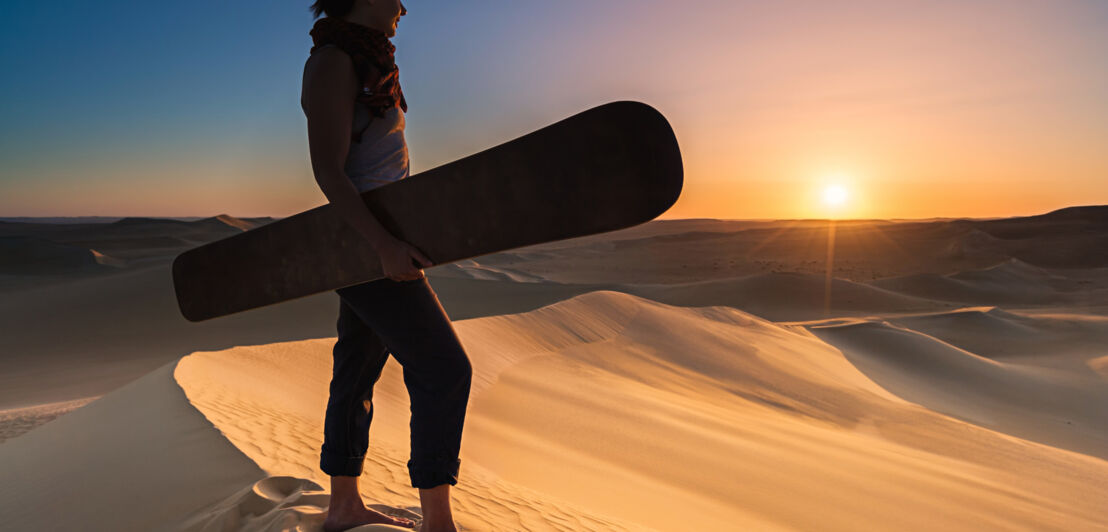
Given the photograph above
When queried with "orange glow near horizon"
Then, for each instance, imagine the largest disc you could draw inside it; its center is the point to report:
(949, 109)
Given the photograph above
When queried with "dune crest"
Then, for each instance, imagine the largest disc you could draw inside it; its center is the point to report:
(268, 401)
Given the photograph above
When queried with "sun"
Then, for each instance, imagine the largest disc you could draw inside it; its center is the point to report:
(835, 195)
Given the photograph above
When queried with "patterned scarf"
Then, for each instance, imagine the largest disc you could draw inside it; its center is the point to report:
(368, 48)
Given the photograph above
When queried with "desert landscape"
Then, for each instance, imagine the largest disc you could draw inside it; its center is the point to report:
(692, 374)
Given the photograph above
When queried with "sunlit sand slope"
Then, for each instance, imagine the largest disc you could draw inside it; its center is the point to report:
(618, 412)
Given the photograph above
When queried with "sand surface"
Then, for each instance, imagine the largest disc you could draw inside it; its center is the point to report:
(630, 381)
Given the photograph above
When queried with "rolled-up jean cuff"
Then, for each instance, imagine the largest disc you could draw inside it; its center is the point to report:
(428, 478)
(341, 466)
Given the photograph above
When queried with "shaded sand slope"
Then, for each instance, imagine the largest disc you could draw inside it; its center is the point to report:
(1061, 408)
(135, 459)
(1050, 339)
(618, 411)
(16, 421)
(31, 255)
(87, 337)
(1011, 282)
(786, 296)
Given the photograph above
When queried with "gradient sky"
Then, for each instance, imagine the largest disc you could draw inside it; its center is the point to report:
(919, 108)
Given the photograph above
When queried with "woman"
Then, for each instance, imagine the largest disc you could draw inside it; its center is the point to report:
(355, 109)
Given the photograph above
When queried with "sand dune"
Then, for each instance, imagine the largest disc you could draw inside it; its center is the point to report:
(1047, 339)
(894, 407)
(139, 458)
(1011, 282)
(976, 245)
(617, 413)
(138, 240)
(714, 411)
(218, 222)
(739, 411)
(986, 331)
(1059, 408)
(16, 421)
(1100, 365)
(33, 255)
(786, 296)
(679, 250)
(224, 220)
(471, 269)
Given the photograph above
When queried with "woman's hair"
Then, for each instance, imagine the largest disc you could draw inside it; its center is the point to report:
(333, 8)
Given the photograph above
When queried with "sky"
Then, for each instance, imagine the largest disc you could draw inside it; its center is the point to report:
(902, 109)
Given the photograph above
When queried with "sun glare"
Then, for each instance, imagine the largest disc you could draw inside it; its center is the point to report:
(835, 195)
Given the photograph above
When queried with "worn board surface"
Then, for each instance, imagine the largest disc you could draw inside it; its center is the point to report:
(607, 168)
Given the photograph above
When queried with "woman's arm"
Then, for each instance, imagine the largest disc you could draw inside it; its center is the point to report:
(330, 88)
(328, 95)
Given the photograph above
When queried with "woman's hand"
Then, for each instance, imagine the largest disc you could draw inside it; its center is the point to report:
(397, 259)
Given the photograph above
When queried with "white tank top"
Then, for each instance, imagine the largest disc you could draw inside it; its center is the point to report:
(381, 157)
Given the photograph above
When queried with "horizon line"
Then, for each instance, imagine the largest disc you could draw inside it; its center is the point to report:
(110, 219)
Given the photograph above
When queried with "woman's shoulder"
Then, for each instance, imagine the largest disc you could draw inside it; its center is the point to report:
(328, 72)
(331, 56)
(328, 56)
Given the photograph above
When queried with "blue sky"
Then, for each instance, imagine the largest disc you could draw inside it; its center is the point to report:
(192, 108)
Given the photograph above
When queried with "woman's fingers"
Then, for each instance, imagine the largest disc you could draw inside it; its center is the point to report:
(419, 256)
(412, 274)
(412, 271)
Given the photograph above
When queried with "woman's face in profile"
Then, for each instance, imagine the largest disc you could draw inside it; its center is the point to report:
(386, 14)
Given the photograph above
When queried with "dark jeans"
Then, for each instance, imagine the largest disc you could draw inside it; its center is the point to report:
(406, 319)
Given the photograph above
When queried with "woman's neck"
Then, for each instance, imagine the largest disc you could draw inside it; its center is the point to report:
(362, 17)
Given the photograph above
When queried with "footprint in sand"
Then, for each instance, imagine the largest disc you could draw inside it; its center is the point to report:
(280, 503)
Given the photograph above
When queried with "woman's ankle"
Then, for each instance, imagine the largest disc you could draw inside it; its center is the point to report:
(345, 494)
(346, 505)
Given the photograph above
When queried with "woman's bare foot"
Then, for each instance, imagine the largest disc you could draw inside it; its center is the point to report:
(346, 509)
(344, 518)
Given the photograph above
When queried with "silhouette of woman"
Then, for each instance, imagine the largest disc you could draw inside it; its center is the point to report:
(355, 111)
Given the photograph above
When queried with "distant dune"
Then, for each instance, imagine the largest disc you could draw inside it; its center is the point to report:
(127, 242)
(28, 255)
(786, 296)
(1011, 282)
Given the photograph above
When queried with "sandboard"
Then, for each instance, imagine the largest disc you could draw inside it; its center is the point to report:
(611, 167)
